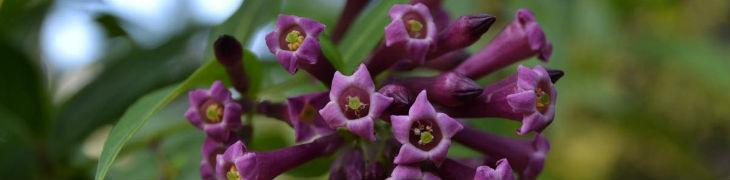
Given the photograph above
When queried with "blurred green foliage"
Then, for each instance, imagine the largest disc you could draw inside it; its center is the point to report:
(644, 96)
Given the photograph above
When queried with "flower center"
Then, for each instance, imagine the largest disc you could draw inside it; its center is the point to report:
(542, 98)
(213, 111)
(233, 173)
(308, 114)
(415, 25)
(292, 39)
(354, 102)
(425, 134)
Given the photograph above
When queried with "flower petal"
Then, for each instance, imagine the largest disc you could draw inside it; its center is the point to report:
(410, 154)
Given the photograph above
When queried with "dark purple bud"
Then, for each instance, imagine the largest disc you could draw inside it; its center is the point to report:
(347, 16)
(452, 169)
(555, 74)
(214, 111)
(521, 39)
(268, 165)
(402, 98)
(502, 171)
(354, 104)
(406, 172)
(448, 89)
(349, 165)
(424, 133)
(448, 61)
(304, 116)
(296, 45)
(228, 51)
(462, 33)
(527, 96)
(525, 156)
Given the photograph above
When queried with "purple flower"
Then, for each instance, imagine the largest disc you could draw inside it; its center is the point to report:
(521, 39)
(227, 164)
(402, 99)
(413, 28)
(502, 172)
(268, 165)
(304, 116)
(424, 133)
(404, 172)
(525, 156)
(354, 104)
(295, 40)
(214, 111)
(528, 96)
(210, 150)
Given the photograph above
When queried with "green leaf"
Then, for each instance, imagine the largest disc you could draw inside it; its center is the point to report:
(331, 52)
(138, 114)
(363, 36)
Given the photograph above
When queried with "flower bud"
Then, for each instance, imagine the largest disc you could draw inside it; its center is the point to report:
(521, 39)
(448, 89)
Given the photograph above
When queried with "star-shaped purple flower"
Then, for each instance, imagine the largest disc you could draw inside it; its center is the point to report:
(502, 172)
(354, 104)
(424, 133)
(534, 97)
(304, 116)
(295, 41)
(214, 111)
(413, 28)
(228, 164)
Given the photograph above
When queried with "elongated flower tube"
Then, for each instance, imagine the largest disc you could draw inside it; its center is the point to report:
(295, 44)
(405, 172)
(228, 51)
(412, 28)
(214, 111)
(268, 165)
(447, 89)
(354, 104)
(528, 96)
(351, 10)
(502, 172)
(521, 39)
(525, 156)
(462, 33)
(451, 169)
(424, 133)
(227, 166)
(304, 116)
(349, 165)
(448, 61)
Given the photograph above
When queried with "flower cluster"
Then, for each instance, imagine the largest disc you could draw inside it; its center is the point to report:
(400, 127)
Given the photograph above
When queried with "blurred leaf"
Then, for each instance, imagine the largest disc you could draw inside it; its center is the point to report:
(143, 109)
(22, 90)
(111, 25)
(331, 52)
(363, 36)
(122, 81)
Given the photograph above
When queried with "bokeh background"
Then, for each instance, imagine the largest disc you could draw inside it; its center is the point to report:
(645, 94)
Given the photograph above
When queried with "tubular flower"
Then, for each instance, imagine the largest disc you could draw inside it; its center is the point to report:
(525, 156)
(354, 104)
(462, 33)
(502, 172)
(304, 116)
(295, 44)
(227, 165)
(528, 96)
(412, 27)
(447, 89)
(228, 51)
(268, 165)
(521, 39)
(214, 111)
(424, 133)
(211, 149)
(404, 172)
